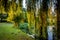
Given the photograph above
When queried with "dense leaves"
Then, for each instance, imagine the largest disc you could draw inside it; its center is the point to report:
(34, 19)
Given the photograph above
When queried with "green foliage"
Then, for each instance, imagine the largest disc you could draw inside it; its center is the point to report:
(24, 27)
(18, 17)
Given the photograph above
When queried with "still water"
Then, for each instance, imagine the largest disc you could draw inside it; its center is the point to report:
(50, 32)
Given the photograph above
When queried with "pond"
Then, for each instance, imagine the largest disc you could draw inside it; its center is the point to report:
(50, 32)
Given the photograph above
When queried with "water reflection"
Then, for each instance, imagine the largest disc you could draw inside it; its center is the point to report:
(50, 32)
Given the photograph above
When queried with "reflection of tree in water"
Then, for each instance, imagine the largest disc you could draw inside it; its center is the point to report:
(50, 33)
(52, 20)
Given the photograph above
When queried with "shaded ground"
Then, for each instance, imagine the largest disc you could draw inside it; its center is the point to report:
(7, 32)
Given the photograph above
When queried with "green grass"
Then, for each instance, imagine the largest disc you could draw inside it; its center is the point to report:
(7, 32)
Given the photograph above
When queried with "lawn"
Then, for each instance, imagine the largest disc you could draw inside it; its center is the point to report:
(7, 32)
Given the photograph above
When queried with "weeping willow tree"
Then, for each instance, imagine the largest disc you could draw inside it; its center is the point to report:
(52, 17)
(37, 11)
(43, 14)
(15, 12)
(2, 9)
(37, 19)
(40, 17)
(30, 15)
